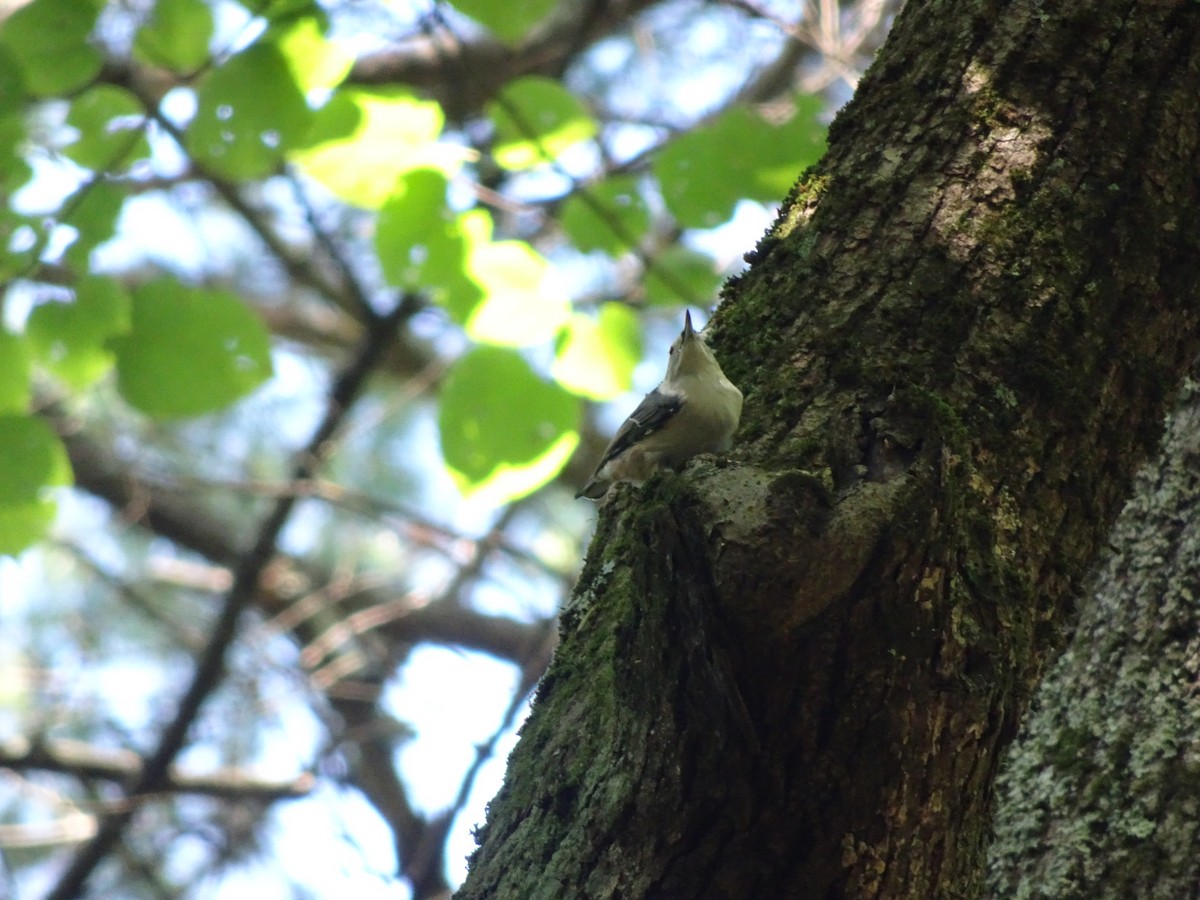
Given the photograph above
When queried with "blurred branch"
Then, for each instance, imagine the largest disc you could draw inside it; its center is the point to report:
(291, 314)
(185, 634)
(463, 75)
(155, 507)
(247, 574)
(336, 254)
(834, 40)
(122, 766)
(414, 525)
(421, 842)
(183, 519)
(69, 828)
(299, 265)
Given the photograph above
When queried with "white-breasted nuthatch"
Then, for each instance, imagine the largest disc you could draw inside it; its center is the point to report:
(694, 410)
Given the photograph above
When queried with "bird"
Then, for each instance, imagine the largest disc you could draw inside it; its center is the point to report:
(694, 410)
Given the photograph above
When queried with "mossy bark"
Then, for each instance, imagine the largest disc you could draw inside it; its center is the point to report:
(1099, 797)
(790, 673)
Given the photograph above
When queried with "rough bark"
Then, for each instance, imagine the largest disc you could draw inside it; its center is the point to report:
(791, 674)
(1099, 797)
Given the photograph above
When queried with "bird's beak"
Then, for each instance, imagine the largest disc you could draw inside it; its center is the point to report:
(688, 332)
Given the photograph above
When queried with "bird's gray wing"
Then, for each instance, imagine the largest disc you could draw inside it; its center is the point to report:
(655, 410)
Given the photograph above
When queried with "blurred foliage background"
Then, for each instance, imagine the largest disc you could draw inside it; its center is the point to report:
(315, 315)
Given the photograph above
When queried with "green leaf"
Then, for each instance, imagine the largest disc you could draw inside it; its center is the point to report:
(788, 149)
(521, 306)
(189, 351)
(618, 224)
(537, 119)
(69, 338)
(740, 156)
(110, 121)
(422, 246)
(14, 372)
(249, 113)
(32, 460)
(12, 85)
(14, 170)
(504, 431)
(277, 10)
(176, 35)
(95, 217)
(680, 275)
(316, 62)
(362, 141)
(598, 357)
(413, 217)
(501, 292)
(19, 242)
(507, 20)
(49, 41)
(438, 264)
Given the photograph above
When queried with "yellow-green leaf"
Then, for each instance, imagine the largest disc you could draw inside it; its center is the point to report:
(598, 356)
(521, 306)
(316, 62)
(362, 141)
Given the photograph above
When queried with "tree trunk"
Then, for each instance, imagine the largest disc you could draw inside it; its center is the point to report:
(791, 674)
(1098, 797)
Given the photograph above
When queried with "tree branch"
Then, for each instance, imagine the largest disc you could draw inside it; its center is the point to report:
(181, 518)
(247, 574)
(85, 761)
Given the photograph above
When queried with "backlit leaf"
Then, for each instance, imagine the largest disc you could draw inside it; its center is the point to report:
(504, 430)
(536, 120)
(316, 62)
(362, 141)
(598, 356)
(520, 305)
